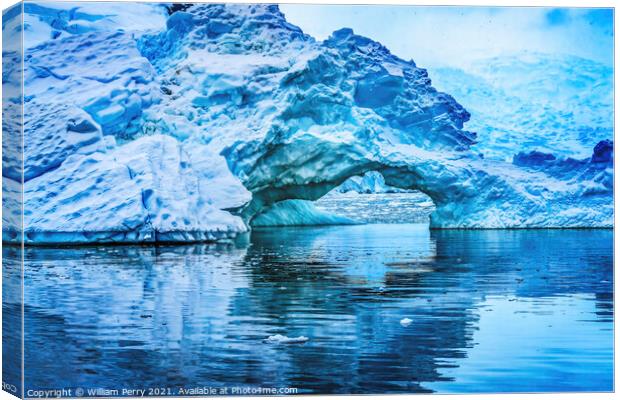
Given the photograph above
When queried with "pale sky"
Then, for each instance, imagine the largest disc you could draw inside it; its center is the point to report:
(438, 36)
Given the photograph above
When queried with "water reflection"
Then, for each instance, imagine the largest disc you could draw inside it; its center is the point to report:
(12, 320)
(188, 316)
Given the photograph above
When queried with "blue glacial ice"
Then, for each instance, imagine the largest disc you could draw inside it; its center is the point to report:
(197, 125)
(297, 213)
(529, 101)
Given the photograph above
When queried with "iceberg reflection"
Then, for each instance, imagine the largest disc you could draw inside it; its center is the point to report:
(181, 316)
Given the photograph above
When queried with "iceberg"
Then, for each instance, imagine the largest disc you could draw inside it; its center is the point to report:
(370, 182)
(215, 118)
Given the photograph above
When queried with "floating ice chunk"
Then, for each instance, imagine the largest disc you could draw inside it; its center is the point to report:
(286, 340)
(406, 322)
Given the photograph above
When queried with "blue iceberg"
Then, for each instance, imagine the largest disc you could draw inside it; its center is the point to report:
(200, 121)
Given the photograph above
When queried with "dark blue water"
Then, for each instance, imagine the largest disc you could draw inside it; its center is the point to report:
(490, 311)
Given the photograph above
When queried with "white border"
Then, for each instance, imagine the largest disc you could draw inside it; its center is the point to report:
(486, 3)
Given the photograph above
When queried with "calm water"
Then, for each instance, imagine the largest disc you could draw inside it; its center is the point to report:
(490, 311)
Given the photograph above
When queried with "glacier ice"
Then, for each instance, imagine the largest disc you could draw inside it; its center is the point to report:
(197, 125)
(528, 101)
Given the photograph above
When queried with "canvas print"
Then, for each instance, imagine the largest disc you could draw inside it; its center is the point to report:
(260, 199)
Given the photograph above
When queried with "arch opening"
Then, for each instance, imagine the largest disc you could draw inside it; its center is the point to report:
(361, 199)
(370, 200)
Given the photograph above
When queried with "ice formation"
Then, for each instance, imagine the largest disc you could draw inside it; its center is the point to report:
(370, 182)
(218, 117)
(281, 339)
(531, 101)
(298, 212)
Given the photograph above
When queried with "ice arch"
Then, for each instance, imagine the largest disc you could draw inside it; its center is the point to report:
(359, 200)
(193, 130)
(469, 192)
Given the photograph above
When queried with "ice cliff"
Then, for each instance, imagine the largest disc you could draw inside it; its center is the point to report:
(194, 129)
